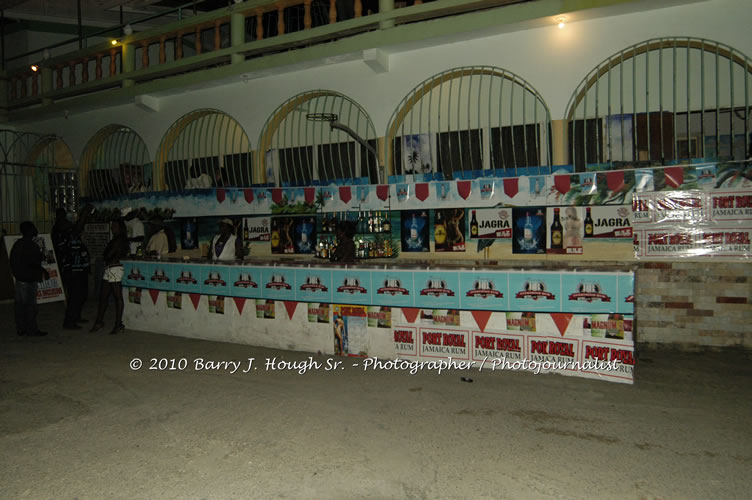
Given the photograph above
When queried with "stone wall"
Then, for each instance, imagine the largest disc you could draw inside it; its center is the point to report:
(694, 304)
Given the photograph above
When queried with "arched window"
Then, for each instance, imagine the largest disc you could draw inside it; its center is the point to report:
(660, 102)
(319, 137)
(205, 148)
(475, 118)
(37, 175)
(115, 162)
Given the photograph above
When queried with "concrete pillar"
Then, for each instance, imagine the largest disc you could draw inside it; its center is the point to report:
(129, 62)
(46, 77)
(237, 36)
(384, 7)
(559, 142)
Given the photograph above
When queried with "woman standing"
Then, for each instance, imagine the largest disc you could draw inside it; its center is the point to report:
(116, 249)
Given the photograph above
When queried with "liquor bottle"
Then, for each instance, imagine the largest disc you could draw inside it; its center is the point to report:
(414, 228)
(527, 233)
(359, 225)
(275, 234)
(588, 224)
(370, 222)
(245, 230)
(439, 232)
(557, 232)
(474, 226)
(377, 222)
(386, 225)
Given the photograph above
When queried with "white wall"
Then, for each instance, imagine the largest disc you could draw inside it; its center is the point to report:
(553, 61)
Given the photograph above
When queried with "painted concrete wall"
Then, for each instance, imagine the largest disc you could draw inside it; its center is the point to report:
(553, 61)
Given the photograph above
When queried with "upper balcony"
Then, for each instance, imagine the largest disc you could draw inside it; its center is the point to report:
(251, 38)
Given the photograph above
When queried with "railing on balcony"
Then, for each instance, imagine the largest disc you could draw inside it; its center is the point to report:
(225, 36)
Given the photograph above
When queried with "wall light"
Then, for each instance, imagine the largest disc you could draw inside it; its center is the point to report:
(561, 22)
(34, 68)
(113, 42)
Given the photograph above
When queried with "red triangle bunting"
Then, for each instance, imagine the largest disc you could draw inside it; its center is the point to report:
(290, 305)
(310, 194)
(221, 195)
(277, 195)
(195, 298)
(464, 188)
(511, 187)
(562, 183)
(154, 295)
(481, 318)
(421, 191)
(615, 180)
(248, 193)
(562, 321)
(411, 313)
(382, 192)
(239, 303)
(345, 194)
(674, 176)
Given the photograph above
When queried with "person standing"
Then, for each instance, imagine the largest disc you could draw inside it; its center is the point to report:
(26, 265)
(116, 249)
(75, 265)
(158, 244)
(225, 246)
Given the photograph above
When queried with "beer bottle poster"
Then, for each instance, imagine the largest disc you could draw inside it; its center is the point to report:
(189, 234)
(415, 231)
(449, 230)
(529, 230)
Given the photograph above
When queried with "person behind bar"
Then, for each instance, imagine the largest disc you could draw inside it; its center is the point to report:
(116, 249)
(26, 264)
(225, 246)
(345, 251)
(158, 243)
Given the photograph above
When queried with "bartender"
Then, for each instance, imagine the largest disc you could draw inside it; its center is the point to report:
(345, 251)
(225, 246)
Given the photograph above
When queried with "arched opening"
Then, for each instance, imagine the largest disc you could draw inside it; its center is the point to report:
(37, 175)
(319, 137)
(467, 120)
(115, 162)
(661, 102)
(205, 148)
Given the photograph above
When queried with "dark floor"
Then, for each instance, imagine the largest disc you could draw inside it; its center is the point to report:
(77, 422)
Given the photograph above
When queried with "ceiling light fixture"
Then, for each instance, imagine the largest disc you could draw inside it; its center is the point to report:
(34, 68)
(113, 42)
(561, 22)
(128, 29)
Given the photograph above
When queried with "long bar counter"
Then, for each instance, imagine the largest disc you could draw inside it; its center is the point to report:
(405, 310)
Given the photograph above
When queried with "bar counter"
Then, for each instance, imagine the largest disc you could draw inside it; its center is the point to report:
(472, 311)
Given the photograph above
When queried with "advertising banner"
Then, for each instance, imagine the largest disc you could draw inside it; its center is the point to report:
(50, 290)
(484, 290)
(313, 285)
(434, 289)
(214, 280)
(494, 223)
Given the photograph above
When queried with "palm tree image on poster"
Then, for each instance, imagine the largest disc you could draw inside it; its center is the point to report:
(419, 152)
(733, 175)
(583, 194)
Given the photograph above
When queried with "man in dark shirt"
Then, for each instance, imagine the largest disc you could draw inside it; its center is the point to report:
(74, 260)
(26, 264)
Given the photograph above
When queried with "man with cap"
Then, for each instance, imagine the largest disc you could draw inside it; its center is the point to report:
(158, 243)
(225, 245)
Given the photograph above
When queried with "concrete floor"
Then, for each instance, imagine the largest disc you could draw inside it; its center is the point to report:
(77, 422)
